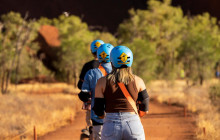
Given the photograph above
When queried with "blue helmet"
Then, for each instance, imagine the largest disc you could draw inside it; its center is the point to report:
(103, 52)
(95, 45)
(121, 57)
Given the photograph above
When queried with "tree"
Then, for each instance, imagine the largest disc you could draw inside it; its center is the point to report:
(17, 34)
(145, 61)
(75, 40)
(75, 45)
(106, 37)
(12, 24)
(199, 50)
(162, 26)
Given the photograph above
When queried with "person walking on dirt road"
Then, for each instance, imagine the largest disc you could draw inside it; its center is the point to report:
(116, 96)
(91, 64)
(90, 80)
(86, 67)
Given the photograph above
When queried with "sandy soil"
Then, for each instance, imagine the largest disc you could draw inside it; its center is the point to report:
(163, 122)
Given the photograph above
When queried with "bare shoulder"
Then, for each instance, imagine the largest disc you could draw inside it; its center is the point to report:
(138, 79)
(102, 80)
(100, 87)
(101, 83)
(139, 83)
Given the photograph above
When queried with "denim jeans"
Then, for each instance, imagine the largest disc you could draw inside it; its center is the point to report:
(96, 132)
(122, 126)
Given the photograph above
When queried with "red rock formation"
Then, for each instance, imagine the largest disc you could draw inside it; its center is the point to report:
(51, 35)
(48, 39)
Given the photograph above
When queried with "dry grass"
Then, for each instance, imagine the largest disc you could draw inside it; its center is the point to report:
(20, 111)
(196, 98)
(44, 88)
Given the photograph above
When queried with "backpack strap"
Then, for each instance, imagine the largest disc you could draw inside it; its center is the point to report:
(104, 73)
(128, 96)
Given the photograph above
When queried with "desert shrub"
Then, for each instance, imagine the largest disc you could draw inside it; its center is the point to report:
(214, 95)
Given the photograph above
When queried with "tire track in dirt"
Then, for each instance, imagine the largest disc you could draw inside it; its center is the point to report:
(163, 122)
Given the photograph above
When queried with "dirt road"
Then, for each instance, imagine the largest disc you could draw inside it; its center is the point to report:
(163, 122)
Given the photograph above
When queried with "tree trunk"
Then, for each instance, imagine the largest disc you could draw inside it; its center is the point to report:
(27, 35)
(2, 81)
(4, 84)
(201, 79)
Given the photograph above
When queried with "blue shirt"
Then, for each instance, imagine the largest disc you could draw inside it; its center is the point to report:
(89, 83)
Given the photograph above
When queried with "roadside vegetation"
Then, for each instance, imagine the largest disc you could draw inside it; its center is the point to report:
(167, 46)
(20, 111)
(196, 99)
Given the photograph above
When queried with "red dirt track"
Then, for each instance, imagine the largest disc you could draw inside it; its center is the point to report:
(163, 122)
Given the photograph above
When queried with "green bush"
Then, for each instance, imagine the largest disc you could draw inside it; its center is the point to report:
(163, 41)
(214, 94)
(180, 42)
(161, 26)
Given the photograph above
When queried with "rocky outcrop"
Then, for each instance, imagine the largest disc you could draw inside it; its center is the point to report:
(48, 39)
(51, 35)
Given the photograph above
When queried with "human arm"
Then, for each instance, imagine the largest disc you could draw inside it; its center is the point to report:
(82, 75)
(99, 105)
(79, 84)
(84, 95)
(143, 97)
